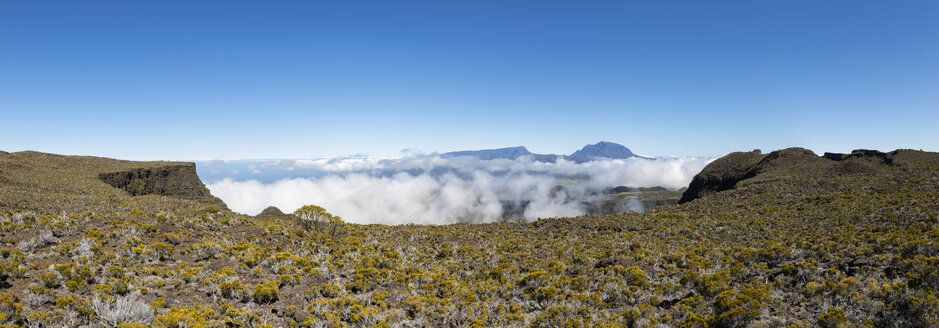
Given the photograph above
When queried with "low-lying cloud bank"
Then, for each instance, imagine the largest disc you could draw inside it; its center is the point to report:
(428, 189)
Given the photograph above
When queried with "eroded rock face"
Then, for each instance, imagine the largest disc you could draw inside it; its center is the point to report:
(725, 172)
(722, 174)
(886, 158)
(173, 180)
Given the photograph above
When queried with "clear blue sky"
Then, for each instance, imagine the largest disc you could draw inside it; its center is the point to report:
(271, 79)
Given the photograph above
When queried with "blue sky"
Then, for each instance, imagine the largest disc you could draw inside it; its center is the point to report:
(186, 80)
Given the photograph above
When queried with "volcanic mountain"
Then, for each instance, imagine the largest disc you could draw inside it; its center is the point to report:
(597, 151)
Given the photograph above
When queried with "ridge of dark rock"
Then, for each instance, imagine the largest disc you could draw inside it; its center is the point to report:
(727, 172)
(271, 211)
(722, 174)
(178, 180)
(488, 154)
(887, 158)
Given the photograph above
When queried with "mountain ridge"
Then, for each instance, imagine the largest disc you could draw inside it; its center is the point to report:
(29, 178)
(744, 172)
(604, 149)
(600, 150)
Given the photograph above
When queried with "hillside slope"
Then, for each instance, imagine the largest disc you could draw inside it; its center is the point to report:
(747, 175)
(806, 241)
(52, 183)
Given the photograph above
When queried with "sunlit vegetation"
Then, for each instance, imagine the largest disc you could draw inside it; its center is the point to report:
(796, 246)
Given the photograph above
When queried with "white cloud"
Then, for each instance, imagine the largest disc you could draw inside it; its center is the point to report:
(213, 162)
(431, 190)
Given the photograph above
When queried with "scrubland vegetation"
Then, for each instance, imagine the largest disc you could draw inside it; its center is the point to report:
(803, 242)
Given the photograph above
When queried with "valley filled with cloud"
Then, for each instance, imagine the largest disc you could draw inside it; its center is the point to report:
(430, 189)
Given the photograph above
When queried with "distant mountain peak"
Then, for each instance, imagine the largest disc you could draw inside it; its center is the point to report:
(600, 150)
(604, 149)
(499, 153)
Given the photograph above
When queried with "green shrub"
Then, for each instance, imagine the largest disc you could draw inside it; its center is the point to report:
(832, 318)
(265, 293)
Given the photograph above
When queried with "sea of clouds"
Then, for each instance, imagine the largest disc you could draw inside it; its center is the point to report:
(428, 189)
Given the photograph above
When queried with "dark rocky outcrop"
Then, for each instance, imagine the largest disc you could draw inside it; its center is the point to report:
(722, 174)
(179, 180)
(786, 158)
(886, 158)
(726, 172)
(836, 156)
(870, 153)
(271, 212)
(622, 189)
